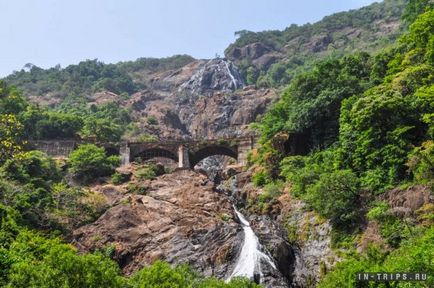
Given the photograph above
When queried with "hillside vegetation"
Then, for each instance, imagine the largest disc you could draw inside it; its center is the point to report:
(39, 208)
(273, 58)
(90, 76)
(346, 131)
(351, 129)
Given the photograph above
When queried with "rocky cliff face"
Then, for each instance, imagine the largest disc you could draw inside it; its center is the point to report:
(298, 239)
(179, 218)
(205, 98)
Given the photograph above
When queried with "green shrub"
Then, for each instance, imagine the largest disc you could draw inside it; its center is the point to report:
(88, 162)
(162, 275)
(149, 171)
(41, 262)
(151, 120)
(421, 162)
(335, 196)
(260, 178)
(137, 188)
(30, 166)
(118, 178)
(392, 229)
(415, 254)
(146, 173)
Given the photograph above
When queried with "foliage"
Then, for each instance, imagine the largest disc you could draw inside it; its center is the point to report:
(118, 178)
(161, 275)
(149, 171)
(302, 46)
(259, 178)
(151, 120)
(414, 8)
(415, 254)
(40, 262)
(310, 105)
(82, 79)
(32, 166)
(374, 110)
(392, 229)
(10, 133)
(335, 196)
(89, 161)
(421, 162)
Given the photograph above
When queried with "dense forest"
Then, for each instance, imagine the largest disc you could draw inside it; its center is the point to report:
(90, 76)
(355, 127)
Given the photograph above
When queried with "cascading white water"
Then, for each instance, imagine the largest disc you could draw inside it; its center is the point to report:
(232, 76)
(249, 261)
(125, 155)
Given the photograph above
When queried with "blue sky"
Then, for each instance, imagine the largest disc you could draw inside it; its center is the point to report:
(50, 32)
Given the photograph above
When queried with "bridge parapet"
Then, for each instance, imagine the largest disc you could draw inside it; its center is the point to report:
(55, 148)
(187, 153)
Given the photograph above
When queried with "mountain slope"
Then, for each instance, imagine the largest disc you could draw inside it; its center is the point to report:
(181, 96)
(272, 58)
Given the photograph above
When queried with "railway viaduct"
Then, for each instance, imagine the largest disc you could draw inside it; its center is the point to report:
(187, 153)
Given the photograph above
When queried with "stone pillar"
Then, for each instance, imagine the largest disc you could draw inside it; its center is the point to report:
(183, 160)
(244, 146)
(124, 152)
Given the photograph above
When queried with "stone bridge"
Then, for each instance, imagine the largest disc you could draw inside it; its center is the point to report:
(187, 153)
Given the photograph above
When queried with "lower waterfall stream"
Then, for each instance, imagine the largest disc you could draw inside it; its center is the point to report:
(249, 261)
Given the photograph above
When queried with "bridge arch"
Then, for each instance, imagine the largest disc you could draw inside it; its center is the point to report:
(199, 155)
(111, 150)
(151, 153)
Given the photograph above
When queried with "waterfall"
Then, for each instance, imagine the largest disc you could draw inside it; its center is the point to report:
(249, 262)
(125, 155)
(232, 76)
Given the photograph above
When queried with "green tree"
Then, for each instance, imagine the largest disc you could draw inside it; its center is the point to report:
(335, 196)
(48, 263)
(11, 131)
(89, 161)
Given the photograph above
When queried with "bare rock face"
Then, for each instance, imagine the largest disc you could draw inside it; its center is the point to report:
(405, 203)
(179, 220)
(214, 75)
(205, 98)
(250, 51)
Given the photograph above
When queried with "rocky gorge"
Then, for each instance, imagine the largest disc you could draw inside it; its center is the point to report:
(184, 217)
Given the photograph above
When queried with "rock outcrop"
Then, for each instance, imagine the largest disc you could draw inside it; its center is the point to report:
(180, 219)
(204, 99)
(298, 239)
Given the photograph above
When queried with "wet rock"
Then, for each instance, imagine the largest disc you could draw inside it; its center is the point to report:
(215, 75)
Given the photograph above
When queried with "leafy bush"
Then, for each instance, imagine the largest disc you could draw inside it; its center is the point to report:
(392, 229)
(88, 162)
(11, 131)
(151, 120)
(421, 162)
(137, 188)
(41, 262)
(335, 196)
(149, 171)
(30, 167)
(161, 275)
(146, 173)
(260, 178)
(415, 254)
(118, 178)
